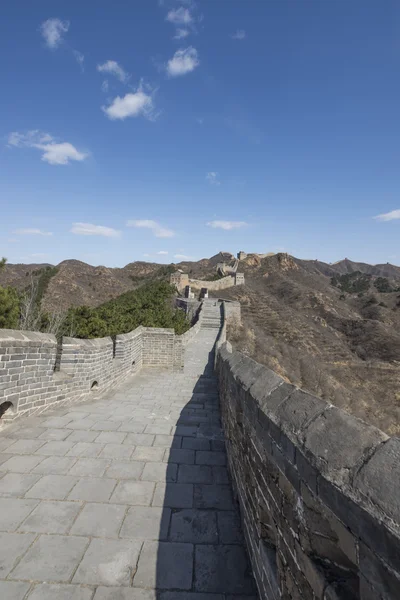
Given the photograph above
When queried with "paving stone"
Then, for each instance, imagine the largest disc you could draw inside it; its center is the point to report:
(210, 458)
(12, 547)
(13, 590)
(56, 591)
(16, 484)
(139, 439)
(120, 593)
(229, 527)
(165, 565)
(99, 520)
(159, 472)
(186, 430)
(54, 434)
(164, 429)
(213, 496)
(116, 451)
(146, 523)
(55, 448)
(132, 427)
(25, 446)
(167, 441)
(135, 493)
(93, 489)
(85, 450)
(91, 467)
(174, 495)
(57, 422)
(13, 511)
(111, 437)
(222, 569)
(194, 474)
(193, 596)
(52, 487)
(105, 426)
(147, 454)
(21, 464)
(82, 424)
(194, 526)
(179, 456)
(125, 470)
(109, 562)
(52, 557)
(5, 443)
(195, 443)
(57, 465)
(220, 475)
(51, 517)
(83, 436)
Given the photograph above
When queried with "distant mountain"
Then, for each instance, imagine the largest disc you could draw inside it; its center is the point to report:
(348, 266)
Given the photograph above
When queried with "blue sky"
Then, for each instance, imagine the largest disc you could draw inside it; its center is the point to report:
(151, 130)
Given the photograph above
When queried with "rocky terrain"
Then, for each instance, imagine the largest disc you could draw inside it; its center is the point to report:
(344, 347)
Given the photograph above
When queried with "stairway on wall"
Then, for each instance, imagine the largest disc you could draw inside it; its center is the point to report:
(211, 315)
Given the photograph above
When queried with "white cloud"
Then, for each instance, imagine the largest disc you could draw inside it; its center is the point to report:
(181, 34)
(112, 67)
(80, 59)
(240, 34)
(32, 231)
(157, 229)
(90, 229)
(184, 61)
(162, 252)
(131, 105)
(227, 225)
(104, 86)
(183, 257)
(390, 216)
(54, 153)
(52, 31)
(179, 16)
(212, 178)
(146, 255)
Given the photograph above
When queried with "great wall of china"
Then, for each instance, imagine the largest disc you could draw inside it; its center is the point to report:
(113, 479)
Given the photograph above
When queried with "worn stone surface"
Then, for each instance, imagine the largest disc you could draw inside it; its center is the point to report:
(109, 499)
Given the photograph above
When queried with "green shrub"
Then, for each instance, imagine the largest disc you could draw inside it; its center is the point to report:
(9, 308)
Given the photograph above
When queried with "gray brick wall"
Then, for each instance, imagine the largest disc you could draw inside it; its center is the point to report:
(36, 373)
(319, 490)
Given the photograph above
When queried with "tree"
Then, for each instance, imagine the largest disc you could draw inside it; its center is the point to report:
(9, 308)
(2, 262)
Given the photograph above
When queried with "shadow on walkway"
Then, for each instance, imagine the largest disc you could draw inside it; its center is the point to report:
(201, 553)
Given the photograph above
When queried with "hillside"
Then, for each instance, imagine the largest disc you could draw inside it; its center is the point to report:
(342, 346)
(75, 283)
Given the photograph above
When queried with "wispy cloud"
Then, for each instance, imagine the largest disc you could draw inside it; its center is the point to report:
(212, 178)
(239, 34)
(180, 33)
(162, 252)
(32, 231)
(113, 68)
(53, 152)
(80, 59)
(183, 257)
(390, 216)
(134, 104)
(104, 86)
(52, 31)
(90, 229)
(227, 225)
(157, 229)
(179, 16)
(184, 61)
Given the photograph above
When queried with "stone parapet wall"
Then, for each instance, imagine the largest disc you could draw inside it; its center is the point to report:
(219, 284)
(319, 490)
(36, 372)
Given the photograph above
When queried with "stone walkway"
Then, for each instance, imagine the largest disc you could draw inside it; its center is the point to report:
(126, 497)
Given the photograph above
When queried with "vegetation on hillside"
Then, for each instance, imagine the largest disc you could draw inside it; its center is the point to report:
(150, 305)
(352, 283)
